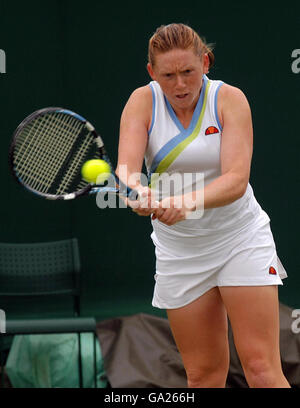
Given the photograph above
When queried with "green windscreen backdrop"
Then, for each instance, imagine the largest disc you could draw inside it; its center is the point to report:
(88, 57)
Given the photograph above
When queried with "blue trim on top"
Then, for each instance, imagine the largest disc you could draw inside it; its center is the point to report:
(216, 106)
(170, 145)
(173, 115)
(153, 108)
(184, 133)
(196, 113)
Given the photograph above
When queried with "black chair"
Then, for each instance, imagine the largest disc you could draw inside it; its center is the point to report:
(43, 271)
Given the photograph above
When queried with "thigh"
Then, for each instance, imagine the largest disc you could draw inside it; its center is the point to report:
(254, 316)
(200, 331)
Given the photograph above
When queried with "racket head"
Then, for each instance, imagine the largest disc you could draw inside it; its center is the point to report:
(48, 150)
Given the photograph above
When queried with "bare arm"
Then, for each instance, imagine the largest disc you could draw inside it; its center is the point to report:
(135, 121)
(236, 149)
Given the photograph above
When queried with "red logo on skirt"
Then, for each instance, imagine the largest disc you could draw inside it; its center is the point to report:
(272, 271)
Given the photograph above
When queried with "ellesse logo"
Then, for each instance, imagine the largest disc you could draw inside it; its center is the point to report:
(211, 130)
(272, 271)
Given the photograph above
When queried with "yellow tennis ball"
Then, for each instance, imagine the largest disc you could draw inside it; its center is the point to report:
(95, 171)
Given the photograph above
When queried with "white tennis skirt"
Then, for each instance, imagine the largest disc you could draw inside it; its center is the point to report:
(187, 267)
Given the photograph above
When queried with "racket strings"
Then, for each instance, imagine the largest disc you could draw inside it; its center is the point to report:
(29, 160)
(27, 145)
(76, 164)
(42, 148)
(54, 155)
(61, 139)
(44, 159)
(37, 151)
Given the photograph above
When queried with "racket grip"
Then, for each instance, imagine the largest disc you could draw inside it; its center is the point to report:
(133, 195)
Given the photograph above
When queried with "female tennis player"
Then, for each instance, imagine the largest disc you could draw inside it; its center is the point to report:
(216, 258)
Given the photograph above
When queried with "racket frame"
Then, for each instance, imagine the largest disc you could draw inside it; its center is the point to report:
(90, 188)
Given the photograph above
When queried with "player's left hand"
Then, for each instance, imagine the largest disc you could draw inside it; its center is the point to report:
(146, 204)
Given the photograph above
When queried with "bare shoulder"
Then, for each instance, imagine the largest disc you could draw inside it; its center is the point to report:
(142, 93)
(139, 104)
(230, 95)
(231, 100)
(141, 98)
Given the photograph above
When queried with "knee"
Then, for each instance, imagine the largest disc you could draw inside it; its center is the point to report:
(211, 376)
(260, 373)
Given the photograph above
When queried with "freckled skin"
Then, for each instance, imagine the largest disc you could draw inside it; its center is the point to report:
(179, 74)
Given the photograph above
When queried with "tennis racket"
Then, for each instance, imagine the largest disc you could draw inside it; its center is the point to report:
(48, 150)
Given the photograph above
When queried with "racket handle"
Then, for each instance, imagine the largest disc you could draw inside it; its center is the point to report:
(133, 195)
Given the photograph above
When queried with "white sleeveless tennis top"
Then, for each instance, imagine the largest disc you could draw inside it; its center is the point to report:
(174, 150)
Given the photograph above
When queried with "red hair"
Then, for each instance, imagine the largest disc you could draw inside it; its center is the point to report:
(167, 38)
